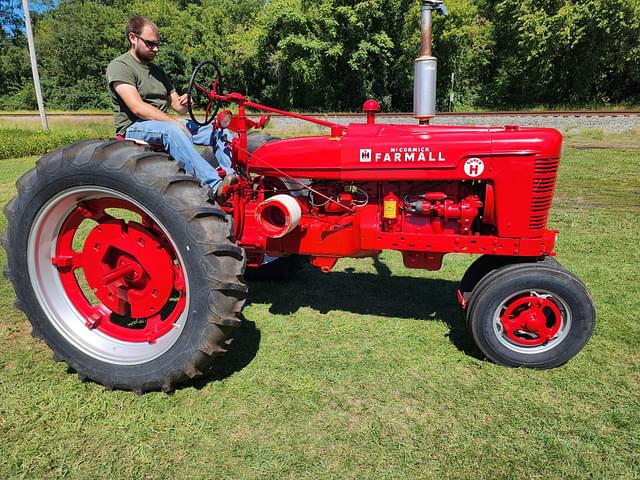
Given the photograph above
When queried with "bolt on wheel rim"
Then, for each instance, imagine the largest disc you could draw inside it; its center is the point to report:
(108, 276)
(532, 321)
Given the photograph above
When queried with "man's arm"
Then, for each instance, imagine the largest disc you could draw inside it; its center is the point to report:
(130, 96)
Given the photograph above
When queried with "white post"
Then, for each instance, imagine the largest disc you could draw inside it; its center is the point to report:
(453, 80)
(34, 65)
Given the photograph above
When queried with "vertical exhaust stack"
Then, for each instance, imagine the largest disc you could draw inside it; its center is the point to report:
(426, 66)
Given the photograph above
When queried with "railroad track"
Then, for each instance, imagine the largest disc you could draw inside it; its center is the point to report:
(551, 113)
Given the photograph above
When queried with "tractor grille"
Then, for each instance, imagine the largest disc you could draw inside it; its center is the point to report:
(544, 181)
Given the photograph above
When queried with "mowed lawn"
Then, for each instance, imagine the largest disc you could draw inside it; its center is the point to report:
(366, 372)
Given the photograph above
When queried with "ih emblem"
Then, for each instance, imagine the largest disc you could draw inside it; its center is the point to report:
(365, 155)
(474, 167)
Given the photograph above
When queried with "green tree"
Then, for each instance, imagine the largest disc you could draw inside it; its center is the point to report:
(330, 54)
(563, 51)
(464, 45)
(75, 42)
(15, 71)
(334, 54)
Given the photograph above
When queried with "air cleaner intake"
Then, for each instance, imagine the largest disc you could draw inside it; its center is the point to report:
(278, 215)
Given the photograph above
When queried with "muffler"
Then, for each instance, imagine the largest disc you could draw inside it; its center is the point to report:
(425, 71)
(278, 215)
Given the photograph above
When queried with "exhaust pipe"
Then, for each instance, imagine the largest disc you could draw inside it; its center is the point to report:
(425, 71)
(278, 215)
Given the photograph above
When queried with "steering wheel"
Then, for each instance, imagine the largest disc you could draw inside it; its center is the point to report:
(201, 94)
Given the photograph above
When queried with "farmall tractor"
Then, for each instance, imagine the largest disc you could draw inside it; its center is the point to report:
(136, 278)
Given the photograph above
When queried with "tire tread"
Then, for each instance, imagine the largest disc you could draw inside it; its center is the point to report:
(206, 224)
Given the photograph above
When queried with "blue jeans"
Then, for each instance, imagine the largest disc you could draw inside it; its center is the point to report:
(180, 146)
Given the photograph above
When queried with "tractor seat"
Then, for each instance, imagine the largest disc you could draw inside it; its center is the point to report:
(153, 147)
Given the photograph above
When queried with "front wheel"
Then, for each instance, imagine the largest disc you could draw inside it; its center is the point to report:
(486, 264)
(123, 267)
(532, 315)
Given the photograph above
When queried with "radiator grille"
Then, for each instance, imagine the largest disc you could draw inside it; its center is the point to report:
(544, 181)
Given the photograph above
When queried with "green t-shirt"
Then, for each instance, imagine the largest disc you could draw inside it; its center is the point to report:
(152, 83)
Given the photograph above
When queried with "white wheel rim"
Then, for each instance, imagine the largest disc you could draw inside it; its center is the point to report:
(54, 300)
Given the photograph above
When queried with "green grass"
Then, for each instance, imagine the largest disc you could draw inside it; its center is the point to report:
(18, 141)
(596, 139)
(22, 137)
(86, 111)
(365, 372)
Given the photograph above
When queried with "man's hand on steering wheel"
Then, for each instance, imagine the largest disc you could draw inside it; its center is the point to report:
(184, 100)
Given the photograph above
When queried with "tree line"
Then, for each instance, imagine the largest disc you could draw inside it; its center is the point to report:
(331, 55)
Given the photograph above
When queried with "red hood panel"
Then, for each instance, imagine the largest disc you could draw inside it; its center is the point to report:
(399, 152)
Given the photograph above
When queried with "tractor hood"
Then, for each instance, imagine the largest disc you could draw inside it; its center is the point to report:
(401, 152)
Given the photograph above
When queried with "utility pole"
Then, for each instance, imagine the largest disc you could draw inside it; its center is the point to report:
(34, 65)
(451, 94)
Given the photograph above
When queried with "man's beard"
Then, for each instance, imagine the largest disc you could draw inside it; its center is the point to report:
(145, 55)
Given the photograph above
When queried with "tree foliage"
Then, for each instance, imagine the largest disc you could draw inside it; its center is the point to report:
(333, 54)
(557, 51)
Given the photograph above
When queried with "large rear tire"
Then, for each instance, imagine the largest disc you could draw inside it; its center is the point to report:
(123, 266)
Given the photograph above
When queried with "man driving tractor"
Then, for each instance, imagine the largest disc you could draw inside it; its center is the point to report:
(141, 94)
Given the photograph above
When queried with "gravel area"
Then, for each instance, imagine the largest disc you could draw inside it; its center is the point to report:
(566, 122)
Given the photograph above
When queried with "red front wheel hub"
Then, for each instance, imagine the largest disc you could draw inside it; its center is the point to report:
(531, 320)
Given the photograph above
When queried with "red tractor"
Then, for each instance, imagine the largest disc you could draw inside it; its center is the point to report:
(135, 278)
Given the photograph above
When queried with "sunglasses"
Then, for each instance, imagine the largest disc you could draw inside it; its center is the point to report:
(150, 45)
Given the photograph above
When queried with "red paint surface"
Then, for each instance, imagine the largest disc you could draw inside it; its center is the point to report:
(130, 267)
(459, 189)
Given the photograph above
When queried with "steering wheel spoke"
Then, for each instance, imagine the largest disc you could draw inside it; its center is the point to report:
(201, 89)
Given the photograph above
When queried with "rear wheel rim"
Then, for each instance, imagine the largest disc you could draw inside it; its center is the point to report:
(120, 293)
(532, 321)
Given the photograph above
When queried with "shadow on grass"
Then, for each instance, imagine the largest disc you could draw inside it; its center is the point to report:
(380, 294)
(241, 352)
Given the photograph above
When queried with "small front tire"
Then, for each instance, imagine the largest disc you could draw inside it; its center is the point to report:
(532, 315)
